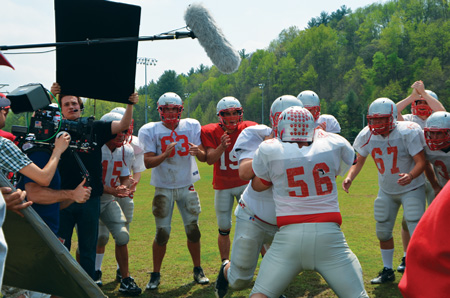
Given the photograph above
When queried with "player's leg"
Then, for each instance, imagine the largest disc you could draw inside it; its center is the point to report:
(188, 204)
(283, 260)
(127, 206)
(102, 240)
(163, 204)
(223, 204)
(414, 206)
(385, 212)
(335, 261)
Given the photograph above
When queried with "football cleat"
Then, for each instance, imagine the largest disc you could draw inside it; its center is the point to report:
(221, 288)
(385, 275)
(129, 287)
(118, 275)
(98, 278)
(155, 279)
(199, 276)
(401, 267)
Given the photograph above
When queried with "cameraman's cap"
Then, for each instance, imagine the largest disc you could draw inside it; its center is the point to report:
(4, 102)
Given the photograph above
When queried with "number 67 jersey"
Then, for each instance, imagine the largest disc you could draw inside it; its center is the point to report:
(180, 169)
(304, 179)
(393, 154)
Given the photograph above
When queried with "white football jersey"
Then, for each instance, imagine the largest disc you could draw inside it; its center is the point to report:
(441, 164)
(329, 122)
(260, 203)
(137, 166)
(415, 119)
(180, 169)
(393, 155)
(304, 179)
(114, 164)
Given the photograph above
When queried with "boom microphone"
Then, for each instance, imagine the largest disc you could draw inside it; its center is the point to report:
(211, 38)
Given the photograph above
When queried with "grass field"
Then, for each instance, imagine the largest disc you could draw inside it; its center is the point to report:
(176, 274)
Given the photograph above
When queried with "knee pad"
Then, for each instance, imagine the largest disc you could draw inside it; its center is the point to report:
(381, 210)
(102, 240)
(224, 233)
(193, 203)
(162, 235)
(160, 206)
(122, 238)
(384, 235)
(192, 232)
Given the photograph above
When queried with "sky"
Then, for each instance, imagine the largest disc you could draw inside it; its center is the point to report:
(247, 24)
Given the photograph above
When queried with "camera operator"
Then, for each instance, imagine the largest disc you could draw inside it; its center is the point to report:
(12, 159)
(86, 216)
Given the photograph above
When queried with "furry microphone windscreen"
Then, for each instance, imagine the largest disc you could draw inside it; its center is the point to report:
(211, 38)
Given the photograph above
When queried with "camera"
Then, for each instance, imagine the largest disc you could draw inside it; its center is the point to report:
(46, 123)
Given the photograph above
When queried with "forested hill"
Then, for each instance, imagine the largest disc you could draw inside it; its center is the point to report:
(349, 58)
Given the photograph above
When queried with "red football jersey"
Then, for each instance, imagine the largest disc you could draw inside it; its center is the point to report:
(226, 173)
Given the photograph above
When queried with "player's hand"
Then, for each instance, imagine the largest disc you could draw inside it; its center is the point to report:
(193, 149)
(419, 87)
(55, 89)
(132, 188)
(62, 142)
(346, 184)
(169, 149)
(81, 194)
(225, 140)
(14, 201)
(134, 98)
(405, 179)
(269, 136)
(122, 191)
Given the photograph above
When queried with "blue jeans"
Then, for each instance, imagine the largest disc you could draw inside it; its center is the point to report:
(85, 216)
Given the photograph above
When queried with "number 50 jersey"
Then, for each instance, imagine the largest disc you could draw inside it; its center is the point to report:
(304, 179)
(180, 169)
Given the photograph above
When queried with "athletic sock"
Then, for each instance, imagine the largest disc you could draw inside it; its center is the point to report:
(387, 255)
(98, 261)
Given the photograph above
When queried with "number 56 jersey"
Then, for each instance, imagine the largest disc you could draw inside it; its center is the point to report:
(304, 179)
(393, 154)
(180, 169)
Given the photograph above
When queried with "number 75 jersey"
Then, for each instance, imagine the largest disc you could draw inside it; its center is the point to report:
(304, 179)
(393, 154)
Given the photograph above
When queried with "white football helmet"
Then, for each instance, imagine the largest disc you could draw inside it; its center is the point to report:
(382, 108)
(311, 101)
(121, 111)
(121, 137)
(438, 122)
(279, 105)
(296, 124)
(170, 100)
(229, 104)
(423, 109)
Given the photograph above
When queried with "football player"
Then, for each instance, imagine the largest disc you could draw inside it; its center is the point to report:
(170, 147)
(218, 139)
(423, 104)
(397, 149)
(311, 101)
(255, 215)
(115, 158)
(301, 166)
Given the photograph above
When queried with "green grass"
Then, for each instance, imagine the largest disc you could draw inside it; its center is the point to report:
(176, 273)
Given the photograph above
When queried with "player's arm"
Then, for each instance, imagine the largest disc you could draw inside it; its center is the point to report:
(429, 173)
(213, 154)
(44, 176)
(124, 123)
(434, 104)
(245, 169)
(151, 160)
(419, 167)
(259, 184)
(401, 105)
(353, 172)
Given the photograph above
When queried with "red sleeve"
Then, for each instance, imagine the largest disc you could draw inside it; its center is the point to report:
(428, 256)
